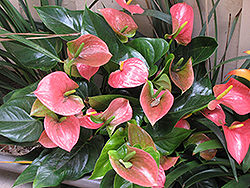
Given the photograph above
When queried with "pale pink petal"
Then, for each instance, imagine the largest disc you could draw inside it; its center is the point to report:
(86, 71)
(64, 134)
(45, 141)
(51, 89)
(133, 73)
(217, 115)
(133, 9)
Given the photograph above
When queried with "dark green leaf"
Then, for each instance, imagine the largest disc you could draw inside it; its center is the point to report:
(244, 181)
(178, 171)
(151, 49)
(172, 140)
(159, 15)
(61, 165)
(87, 89)
(200, 49)
(211, 144)
(17, 125)
(61, 20)
(29, 174)
(246, 162)
(206, 174)
(32, 58)
(108, 179)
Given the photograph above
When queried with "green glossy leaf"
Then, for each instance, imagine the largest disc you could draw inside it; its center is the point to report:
(211, 144)
(17, 125)
(32, 58)
(151, 49)
(61, 20)
(172, 140)
(206, 174)
(159, 15)
(103, 165)
(200, 49)
(101, 102)
(180, 170)
(108, 179)
(87, 89)
(246, 162)
(195, 98)
(33, 46)
(244, 181)
(29, 174)
(61, 165)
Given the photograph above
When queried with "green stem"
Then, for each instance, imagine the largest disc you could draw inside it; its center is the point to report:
(157, 92)
(124, 29)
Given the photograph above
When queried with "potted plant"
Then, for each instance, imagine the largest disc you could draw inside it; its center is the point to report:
(98, 98)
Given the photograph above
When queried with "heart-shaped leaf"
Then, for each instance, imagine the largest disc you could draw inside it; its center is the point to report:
(144, 170)
(133, 72)
(183, 77)
(156, 108)
(45, 141)
(120, 109)
(60, 165)
(200, 48)
(38, 109)
(52, 94)
(64, 134)
(61, 20)
(151, 49)
(137, 135)
(168, 162)
(217, 115)
(237, 98)
(122, 24)
(94, 53)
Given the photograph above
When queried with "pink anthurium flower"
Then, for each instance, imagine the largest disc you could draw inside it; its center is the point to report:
(182, 123)
(64, 132)
(161, 178)
(137, 135)
(217, 115)
(183, 77)
(168, 162)
(133, 9)
(143, 169)
(245, 73)
(88, 49)
(133, 72)
(181, 13)
(122, 24)
(155, 107)
(237, 137)
(55, 90)
(120, 109)
(45, 141)
(85, 120)
(234, 95)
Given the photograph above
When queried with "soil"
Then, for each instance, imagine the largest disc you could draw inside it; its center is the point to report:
(16, 150)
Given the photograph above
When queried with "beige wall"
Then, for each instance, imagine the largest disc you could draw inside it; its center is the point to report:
(240, 40)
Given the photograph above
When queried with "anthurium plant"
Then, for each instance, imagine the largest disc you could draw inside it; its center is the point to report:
(98, 98)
